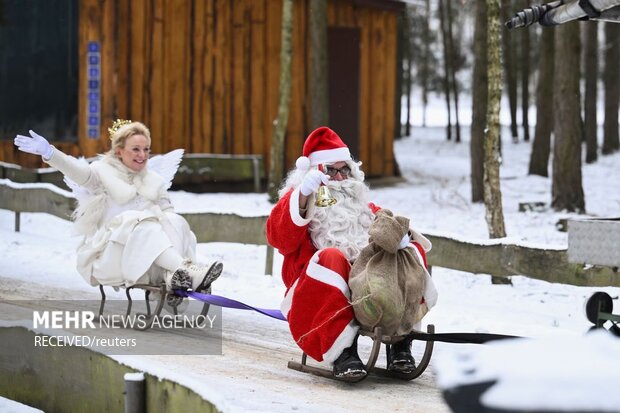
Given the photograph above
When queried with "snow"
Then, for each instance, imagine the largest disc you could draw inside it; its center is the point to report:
(11, 406)
(527, 372)
(252, 375)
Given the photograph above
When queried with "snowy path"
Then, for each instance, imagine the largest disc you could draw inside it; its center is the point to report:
(251, 374)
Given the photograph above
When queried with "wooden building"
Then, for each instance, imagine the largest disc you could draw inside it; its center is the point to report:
(204, 74)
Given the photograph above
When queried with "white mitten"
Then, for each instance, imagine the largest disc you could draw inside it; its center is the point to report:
(312, 181)
(405, 242)
(36, 144)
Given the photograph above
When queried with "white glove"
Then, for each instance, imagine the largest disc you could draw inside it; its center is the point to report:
(312, 181)
(405, 242)
(37, 145)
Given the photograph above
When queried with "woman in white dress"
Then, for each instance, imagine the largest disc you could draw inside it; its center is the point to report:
(131, 233)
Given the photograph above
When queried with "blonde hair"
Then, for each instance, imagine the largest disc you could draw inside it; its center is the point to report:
(119, 138)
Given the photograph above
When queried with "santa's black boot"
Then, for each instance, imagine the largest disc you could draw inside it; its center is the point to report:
(400, 358)
(348, 365)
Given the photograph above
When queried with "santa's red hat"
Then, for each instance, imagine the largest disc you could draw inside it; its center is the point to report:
(323, 145)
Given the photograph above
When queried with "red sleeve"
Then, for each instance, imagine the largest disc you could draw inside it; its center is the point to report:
(281, 230)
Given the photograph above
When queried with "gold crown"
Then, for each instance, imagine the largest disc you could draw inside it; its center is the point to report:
(117, 125)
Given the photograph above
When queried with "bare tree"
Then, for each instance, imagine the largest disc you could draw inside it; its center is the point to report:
(424, 70)
(566, 190)
(509, 53)
(492, 191)
(541, 147)
(319, 94)
(525, 78)
(452, 55)
(276, 172)
(446, 63)
(591, 76)
(611, 79)
(479, 102)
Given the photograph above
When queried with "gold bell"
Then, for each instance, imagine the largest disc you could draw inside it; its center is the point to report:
(324, 198)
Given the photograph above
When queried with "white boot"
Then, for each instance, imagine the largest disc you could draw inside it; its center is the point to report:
(201, 275)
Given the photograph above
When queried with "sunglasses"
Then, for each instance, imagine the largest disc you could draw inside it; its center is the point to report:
(344, 171)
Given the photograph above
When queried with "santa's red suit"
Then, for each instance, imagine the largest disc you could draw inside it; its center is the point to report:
(316, 302)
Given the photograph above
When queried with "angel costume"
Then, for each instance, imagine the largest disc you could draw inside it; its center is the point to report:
(126, 217)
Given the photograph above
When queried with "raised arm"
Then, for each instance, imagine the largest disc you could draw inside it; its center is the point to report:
(36, 144)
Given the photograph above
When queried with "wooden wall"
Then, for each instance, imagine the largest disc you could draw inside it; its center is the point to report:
(204, 74)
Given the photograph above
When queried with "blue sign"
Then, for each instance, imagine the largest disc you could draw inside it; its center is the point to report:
(93, 91)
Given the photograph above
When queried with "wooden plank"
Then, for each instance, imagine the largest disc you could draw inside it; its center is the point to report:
(509, 259)
(365, 82)
(240, 80)
(344, 15)
(198, 167)
(201, 75)
(258, 77)
(137, 59)
(391, 38)
(228, 228)
(124, 44)
(37, 199)
(221, 142)
(296, 129)
(96, 24)
(209, 79)
(274, 31)
(176, 60)
(154, 94)
(377, 94)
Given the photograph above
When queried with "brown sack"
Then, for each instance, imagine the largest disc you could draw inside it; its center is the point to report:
(386, 282)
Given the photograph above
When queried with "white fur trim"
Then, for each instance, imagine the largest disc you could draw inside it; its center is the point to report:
(329, 155)
(327, 276)
(344, 340)
(286, 304)
(294, 210)
(302, 163)
(430, 292)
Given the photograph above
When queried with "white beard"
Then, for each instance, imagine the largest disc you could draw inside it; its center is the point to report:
(345, 224)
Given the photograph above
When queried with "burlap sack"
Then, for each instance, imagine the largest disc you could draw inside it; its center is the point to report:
(386, 282)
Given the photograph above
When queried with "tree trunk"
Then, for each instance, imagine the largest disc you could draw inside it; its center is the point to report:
(539, 160)
(492, 191)
(276, 171)
(452, 66)
(446, 64)
(525, 78)
(591, 76)
(479, 102)
(510, 68)
(611, 79)
(566, 190)
(405, 59)
(424, 72)
(319, 93)
(409, 83)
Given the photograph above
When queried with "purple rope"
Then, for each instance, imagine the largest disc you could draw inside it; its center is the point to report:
(228, 303)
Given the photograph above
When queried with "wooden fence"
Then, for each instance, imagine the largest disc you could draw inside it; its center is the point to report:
(485, 257)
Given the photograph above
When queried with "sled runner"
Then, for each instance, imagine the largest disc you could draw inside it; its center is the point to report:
(162, 293)
(378, 338)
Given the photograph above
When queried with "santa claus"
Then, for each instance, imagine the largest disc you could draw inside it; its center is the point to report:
(319, 244)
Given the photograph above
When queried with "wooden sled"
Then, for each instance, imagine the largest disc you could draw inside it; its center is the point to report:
(378, 339)
(161, 291)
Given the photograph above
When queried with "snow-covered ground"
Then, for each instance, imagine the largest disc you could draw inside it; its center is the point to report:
(252, 375)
